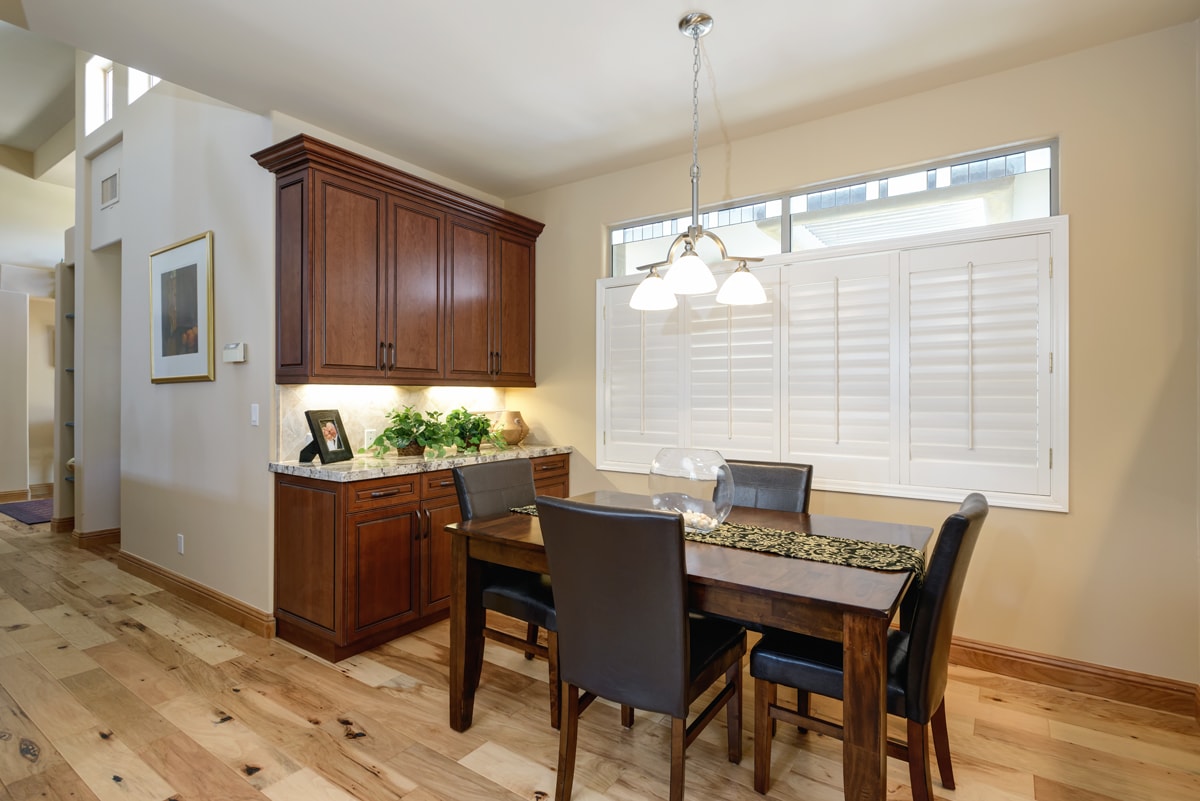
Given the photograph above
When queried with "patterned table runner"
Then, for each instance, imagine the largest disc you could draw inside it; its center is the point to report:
(800, 545)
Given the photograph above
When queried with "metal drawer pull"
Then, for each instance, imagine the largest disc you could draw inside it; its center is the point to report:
(445, 483)
(384, 493)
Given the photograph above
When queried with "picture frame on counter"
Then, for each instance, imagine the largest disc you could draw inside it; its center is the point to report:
(181, 311)
(329, 437)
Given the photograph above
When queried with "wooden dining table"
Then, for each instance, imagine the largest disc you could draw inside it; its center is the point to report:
(848, 604)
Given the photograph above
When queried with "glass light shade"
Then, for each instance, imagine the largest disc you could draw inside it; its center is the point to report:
(652, 295)
(690, 276)
(741, 289)
(696, 483)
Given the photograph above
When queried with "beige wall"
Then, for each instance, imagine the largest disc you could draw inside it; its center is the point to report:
(1116, 581)
(33, 216)
(191, 463)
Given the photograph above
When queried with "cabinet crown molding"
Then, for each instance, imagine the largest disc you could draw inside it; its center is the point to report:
(304, 152)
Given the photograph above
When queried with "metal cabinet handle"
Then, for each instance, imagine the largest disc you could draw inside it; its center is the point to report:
(382, 357)
(392, 355)
(384, 493)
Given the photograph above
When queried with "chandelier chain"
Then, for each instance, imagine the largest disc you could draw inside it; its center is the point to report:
(695, 125)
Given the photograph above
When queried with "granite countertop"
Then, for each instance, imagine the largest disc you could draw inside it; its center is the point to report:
(364, 467)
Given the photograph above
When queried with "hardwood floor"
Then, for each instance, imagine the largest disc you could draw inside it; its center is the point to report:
(113, 689)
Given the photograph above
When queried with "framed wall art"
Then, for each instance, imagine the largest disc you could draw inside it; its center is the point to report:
(181, 311)
(329, 437)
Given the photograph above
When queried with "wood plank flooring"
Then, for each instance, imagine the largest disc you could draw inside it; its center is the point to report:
(113, 689)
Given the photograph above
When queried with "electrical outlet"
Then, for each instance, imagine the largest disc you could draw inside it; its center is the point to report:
(179, 542)
(369, 437)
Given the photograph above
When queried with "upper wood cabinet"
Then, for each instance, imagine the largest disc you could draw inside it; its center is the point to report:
(384, 278)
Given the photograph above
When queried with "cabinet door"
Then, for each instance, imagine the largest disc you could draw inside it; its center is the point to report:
(512, 312)
(415, 338)
(469, 353)
(307, 582)
(349, 320)
(382, 549)
(435, 552)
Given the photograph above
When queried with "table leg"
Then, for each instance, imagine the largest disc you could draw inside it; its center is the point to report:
(466, 632)
(864, 750)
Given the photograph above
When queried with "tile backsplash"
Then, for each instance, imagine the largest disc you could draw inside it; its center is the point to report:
(364, 407)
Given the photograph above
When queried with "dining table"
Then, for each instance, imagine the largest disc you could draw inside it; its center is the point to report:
(850, 604)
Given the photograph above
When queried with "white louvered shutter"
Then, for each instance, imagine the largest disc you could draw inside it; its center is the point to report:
(641, 354)
(840, 368)
(978, 368)
(732, 357)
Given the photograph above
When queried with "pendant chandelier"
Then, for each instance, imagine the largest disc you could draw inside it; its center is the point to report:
(686, 272)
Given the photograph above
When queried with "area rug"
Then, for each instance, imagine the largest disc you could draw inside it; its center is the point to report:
(29, 512)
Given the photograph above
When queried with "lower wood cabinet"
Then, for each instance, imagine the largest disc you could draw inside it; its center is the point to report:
(360, 563)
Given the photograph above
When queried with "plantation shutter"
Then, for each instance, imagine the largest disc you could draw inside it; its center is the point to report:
(977, 378)
(641, 354)
(732, 367)
(840, 364)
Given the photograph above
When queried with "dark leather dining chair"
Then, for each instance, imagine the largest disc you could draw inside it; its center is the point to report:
(624, 632)
(771, 485)
(487, 489)
(917, 662)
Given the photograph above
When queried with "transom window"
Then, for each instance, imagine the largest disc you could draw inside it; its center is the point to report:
(997, 187)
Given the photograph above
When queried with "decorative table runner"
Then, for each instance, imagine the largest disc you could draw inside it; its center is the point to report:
(800, 545)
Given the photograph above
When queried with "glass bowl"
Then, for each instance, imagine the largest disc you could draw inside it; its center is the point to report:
(694, 482)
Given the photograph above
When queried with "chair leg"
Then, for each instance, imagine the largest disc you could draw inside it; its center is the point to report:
(531, 637)
(678, 743)
(567, 737)
(803, 704)
(555, 687)
(765, 693)
(941, 745)
(627, 716)
(918, 762)
(733, 712)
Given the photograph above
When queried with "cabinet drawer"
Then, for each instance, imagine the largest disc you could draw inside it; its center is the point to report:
(546, 466)
(377, 493)
(437, 484)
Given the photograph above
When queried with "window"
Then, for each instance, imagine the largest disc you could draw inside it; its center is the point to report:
(997, 187)
(749, 230)
(98, 86)
(140, 83)
(924, 370)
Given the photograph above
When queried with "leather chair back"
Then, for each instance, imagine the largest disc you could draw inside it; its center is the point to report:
(620, 588)
(492, 488)
(937, 605)
(771, 485)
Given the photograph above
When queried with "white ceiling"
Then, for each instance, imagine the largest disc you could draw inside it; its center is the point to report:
(513, 97)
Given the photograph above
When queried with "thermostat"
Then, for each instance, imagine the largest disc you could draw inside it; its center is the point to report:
(234, 352)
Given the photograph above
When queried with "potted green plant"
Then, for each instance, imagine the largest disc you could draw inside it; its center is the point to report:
(403, 433)
(436, 438)
(472, 429)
